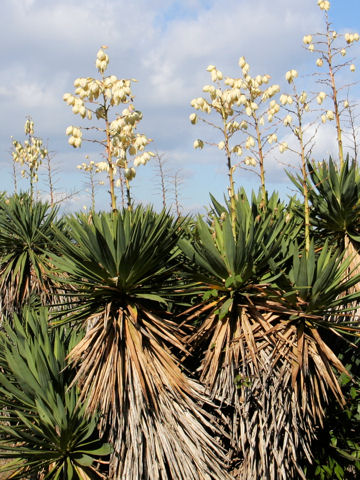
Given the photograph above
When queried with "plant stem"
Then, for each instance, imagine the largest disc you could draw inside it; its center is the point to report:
(261, 160)
(231, 188)
(334, 92)
(51, 186)
(14, 177)
(109, 160)
(162, 180)
(128, 194)
(176, 192)
(300, 135)
(92, 186)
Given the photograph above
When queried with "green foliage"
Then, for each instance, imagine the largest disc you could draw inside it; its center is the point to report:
(228, 262)
(334, 194)
(119, 272)
(118, 258)
(26, 237)
(43, 427)
(317, 282)
(337, 449)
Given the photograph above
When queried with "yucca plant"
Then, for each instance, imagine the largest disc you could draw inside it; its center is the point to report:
(25, 238)
(237, 275)
(44, 431)
(334, 195)
(316, 303)
(120, 269)
(258, 295)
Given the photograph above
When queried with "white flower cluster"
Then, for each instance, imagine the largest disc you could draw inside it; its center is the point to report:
(351, 37)
(29, 127)
(106, 167)
(200, 103)
(215, 73)
(286, 99)
(303, 98)
(272, 110)
(272, 138)
(130, 173)
(250, 161)
(143, 158)
(250, 142)
(108, 92)
(88, 167)
(283, 146)
(329, 115)
(324, 4)
(75, 136)
(29, 154)
(242, 95)
(237, 150)
(78, 105)
(287, 120)
(320, 97)
(115, 90)
(125, 141)
(291, 75)
(102, 60)
(225, 100)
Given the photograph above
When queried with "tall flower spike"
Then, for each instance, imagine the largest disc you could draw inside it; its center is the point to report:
(123, 146)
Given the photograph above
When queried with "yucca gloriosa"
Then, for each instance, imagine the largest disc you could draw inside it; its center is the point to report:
(25, 238)
(260, 332)
(334, 195)
(44, 432)
(234, 275)
(120, 273)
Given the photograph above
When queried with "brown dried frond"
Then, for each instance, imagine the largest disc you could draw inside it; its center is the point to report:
(151, 412)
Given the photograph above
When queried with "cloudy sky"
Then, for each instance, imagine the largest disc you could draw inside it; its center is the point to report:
(166, 45)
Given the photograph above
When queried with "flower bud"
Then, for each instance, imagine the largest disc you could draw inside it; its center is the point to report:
(303, 97)
(287, 120)
(283, 99)
(242, 62)
(282, 147)
(193, 118)
(238, 150)
(272, 138)
(324, 4)
(198, 144)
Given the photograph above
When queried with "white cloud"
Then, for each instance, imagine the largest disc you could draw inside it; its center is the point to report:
(167, 46)
(267, 36)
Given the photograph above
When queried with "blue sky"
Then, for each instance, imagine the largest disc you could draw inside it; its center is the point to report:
(166, 46)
